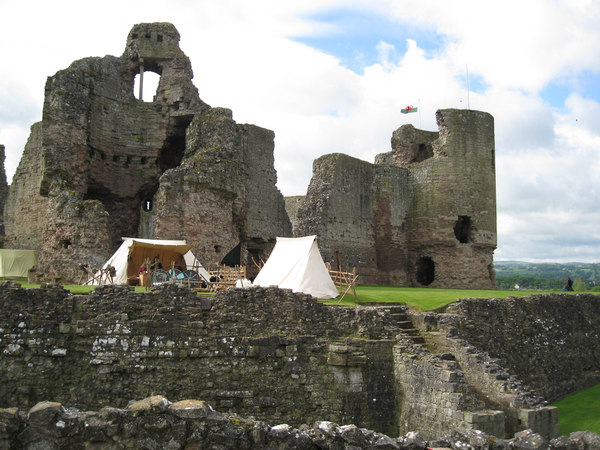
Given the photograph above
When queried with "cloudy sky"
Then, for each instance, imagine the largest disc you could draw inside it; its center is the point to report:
(332, 75)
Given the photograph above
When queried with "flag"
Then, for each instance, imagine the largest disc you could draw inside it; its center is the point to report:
(409, 109)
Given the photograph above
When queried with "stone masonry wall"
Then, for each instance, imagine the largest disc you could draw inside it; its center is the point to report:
(357, 210)
(550, 341)
(100, 154)
(268, 353)
(26, 185)
(452, 218)
(271, 354)
(224, 192)
(155, 422)
(422, 215)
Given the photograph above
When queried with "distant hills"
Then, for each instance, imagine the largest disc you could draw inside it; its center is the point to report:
(544, 275)
(585, 271)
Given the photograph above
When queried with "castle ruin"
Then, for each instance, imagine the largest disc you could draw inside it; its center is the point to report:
(103, 164)
(422, 215)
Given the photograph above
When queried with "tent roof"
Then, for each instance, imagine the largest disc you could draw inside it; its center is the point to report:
(175, 246)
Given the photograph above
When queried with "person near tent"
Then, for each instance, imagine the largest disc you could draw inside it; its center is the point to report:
(156, 264)
(142, 269)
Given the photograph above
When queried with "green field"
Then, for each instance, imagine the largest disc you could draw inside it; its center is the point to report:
(580, 412)
(421, 299)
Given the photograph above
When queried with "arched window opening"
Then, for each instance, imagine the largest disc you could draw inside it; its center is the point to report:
(149, 82)
(462, 229)
(425, 271)
(147, 205)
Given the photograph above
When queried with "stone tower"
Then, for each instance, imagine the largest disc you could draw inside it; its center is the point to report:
(102, 158)
(422, 215)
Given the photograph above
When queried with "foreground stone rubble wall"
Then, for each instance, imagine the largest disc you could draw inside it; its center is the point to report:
(280, 357)
(100, 156)
(155, 423)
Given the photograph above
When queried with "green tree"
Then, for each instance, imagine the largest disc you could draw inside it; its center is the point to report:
(579, 285)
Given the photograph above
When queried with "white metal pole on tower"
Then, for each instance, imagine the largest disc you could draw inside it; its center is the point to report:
(419, 109)
(468, 101)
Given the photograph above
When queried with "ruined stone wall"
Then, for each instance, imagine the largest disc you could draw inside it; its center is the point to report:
(25, 208)
(452, 219)
(338, 208)
(548, 341)
(224, 192)
(479, 392)
(292, 206)
(269, 353)
(3, 193)
(155, 422)
(105, 151)
(423, 215)
(264, 352)
(357, 210)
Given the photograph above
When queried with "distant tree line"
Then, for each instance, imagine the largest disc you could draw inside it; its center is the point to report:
(509, 282)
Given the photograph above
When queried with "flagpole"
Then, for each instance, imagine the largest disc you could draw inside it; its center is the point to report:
(468, 101)
(419, 103)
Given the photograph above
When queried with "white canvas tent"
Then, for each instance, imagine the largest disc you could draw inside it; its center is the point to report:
(16, 263)
(133, 252)
(296, 264)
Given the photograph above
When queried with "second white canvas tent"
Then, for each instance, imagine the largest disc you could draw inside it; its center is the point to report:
(16, 263)
(133, 252)
(296, 264)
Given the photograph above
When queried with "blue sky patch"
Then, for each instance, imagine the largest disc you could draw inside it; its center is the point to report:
(358, 33)
(586, 84)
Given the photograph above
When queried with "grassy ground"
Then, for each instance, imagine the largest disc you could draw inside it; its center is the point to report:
(580, 412)
(422, 299)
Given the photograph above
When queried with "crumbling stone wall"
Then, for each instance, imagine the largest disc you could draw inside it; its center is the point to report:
(24, 219)
(226, 186)
(522, 352)
(452, 219)
(422, 215)
(357, 210)
(292, 205)
(155, 422)
(550, 341)
(99, 154)
(269, 353)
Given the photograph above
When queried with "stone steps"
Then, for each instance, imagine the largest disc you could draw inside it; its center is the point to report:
(400, 317)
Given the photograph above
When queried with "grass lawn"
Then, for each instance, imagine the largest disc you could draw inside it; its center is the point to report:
(580, 412)
(422, 299)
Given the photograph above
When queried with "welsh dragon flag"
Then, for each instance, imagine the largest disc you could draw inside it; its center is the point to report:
(409, 109)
